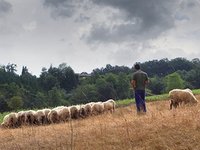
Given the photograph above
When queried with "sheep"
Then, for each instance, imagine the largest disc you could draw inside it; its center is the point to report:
(179, 96)
(85, 110)
(64, 114)
(30, 117)
(21, 118)
(39, 117)
(10, 120)
(97, 108)
(74, 110)
(46, 111)
(109, 105)
(53, 116)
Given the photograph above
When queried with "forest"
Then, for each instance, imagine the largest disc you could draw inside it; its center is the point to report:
(60, 85)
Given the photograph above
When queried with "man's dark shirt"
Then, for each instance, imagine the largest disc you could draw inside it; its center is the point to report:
(140, 77)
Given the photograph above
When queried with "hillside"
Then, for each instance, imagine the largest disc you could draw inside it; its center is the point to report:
(159, 129)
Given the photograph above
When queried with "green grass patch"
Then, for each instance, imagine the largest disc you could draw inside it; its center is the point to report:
(157, 97)
(2, 116)
(124, 102)
(196, 91)
(127, 102)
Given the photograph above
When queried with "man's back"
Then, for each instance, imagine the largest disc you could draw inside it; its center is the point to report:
(140, 78)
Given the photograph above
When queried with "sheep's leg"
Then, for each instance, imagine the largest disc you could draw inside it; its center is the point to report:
(171, 104)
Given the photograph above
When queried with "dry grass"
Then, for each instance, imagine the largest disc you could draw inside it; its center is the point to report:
(159, 129)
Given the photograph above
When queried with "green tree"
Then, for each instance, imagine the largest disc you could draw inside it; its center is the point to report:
(84, 94)
(123, 86)
(105, 89)
(3, 103)
(56, 97)
(15, 102)
(173, 81)
(68, 79)
(156, 85)
(28, 81)
(39, 100)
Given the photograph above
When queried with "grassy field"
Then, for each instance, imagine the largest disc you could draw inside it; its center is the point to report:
(159, 129)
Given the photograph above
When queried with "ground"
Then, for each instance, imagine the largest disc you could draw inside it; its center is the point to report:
(159, 129)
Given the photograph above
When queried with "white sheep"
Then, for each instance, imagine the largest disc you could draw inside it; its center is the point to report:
(46, 111)
(97, 108)
(179, 96)
(74, 110)
(39, 117)
(109, 105)
(85, 110)
(10, 120)
(53, 116)
(30, 117)
(64, 114)
(21, 118)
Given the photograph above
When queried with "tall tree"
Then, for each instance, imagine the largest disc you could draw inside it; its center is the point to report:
(156, 85)
(173, 81)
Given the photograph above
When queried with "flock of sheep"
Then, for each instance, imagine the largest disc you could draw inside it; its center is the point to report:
(63, 113)
(57, 115)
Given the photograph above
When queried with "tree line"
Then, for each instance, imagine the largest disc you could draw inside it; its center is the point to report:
(62, 86)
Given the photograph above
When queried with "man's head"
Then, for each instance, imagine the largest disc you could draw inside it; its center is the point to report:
(137, 66)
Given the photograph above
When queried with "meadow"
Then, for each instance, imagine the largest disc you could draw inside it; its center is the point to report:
(159, 129)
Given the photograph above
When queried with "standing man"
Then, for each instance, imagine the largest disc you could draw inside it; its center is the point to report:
(139, 81)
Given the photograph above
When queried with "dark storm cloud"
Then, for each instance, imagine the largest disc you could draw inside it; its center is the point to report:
(62, 8)
(5, 7)
(146, 19)
(82, 18)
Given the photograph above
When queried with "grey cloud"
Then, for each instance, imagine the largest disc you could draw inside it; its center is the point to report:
(82, 18)
(147, 19)
(61, 8)
(5, 7)
(124, 32)
(185, 4)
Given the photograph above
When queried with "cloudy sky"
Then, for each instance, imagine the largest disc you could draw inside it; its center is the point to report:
(88, 34)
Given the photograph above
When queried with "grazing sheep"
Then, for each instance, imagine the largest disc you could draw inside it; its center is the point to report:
(97, 108)
(39, 117)
(179, 96)
(109, 105)
(10, 120)
(64, 114)
(21, 118)
(85, 110)
(53, 116)
(46, 111)
(74, 110)
(30, 117)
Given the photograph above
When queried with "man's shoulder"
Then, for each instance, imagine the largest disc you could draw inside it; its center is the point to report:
(143, 72)
(139, 72)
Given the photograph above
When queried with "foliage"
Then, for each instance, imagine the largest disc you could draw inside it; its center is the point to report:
(84, 94)
(156, 85)
(62, 86)
(174, 81)
(15, 102)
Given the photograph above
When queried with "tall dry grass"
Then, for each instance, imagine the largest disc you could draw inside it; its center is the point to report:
(159, 129)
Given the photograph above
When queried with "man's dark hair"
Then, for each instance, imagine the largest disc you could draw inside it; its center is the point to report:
(137, 66)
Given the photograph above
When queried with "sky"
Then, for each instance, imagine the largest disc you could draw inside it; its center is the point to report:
(88, 34)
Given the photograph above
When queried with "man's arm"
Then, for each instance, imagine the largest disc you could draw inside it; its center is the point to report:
(147, 80)
(133, 83)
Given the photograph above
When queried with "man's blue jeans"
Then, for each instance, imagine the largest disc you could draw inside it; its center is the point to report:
(140, 100)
